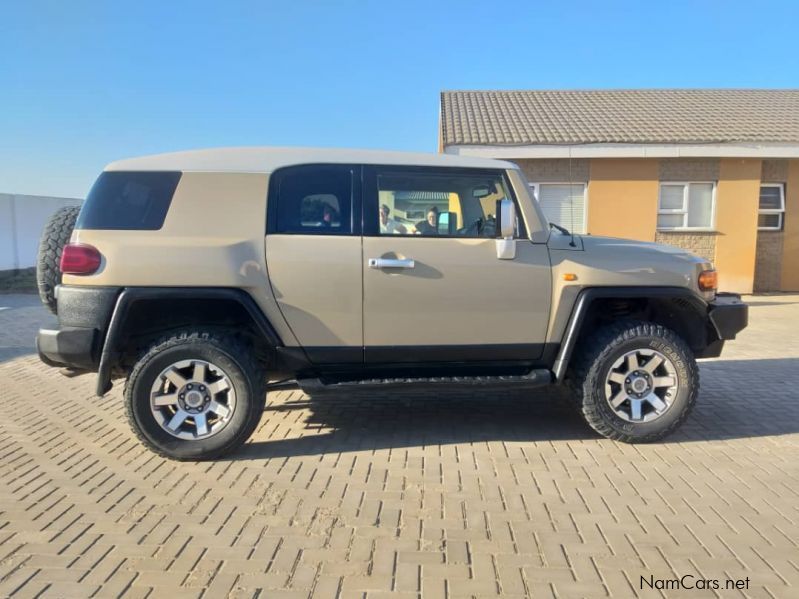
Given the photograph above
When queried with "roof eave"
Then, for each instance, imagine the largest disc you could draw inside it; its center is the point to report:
(623, 150)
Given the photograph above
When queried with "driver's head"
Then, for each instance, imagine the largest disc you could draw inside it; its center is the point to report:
(385, 211)
(432, 216)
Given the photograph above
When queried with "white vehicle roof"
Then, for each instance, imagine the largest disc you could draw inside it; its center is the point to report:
(269, 159)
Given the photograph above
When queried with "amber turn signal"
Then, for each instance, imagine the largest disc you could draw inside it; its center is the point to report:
(570, 276)
(708, 280)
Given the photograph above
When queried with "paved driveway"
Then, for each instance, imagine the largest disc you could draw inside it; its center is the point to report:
(447, 497)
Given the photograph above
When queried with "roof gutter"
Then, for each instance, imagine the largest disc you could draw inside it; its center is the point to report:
(617, 150)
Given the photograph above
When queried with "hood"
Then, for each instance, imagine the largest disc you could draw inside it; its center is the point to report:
(607, 261)
(640, 249)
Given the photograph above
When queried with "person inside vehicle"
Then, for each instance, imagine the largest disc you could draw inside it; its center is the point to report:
(429, 226)
(388, 226)
(328, 216)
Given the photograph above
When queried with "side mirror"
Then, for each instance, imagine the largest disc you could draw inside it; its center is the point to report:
(506, 215)
(506, 228)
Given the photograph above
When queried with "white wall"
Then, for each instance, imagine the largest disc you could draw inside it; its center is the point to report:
(22, 219)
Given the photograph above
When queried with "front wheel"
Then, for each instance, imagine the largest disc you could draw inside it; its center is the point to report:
(634, 381)
(195, 396)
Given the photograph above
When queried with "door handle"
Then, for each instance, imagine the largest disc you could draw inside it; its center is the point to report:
(390, 263)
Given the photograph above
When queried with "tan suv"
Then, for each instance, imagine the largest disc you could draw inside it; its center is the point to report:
(207, 278)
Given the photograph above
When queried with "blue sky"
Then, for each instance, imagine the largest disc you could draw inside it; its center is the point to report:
(85, 83)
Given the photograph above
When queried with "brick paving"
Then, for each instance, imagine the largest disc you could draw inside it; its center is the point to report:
(481, 496)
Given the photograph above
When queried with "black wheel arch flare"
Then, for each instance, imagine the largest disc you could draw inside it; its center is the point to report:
(587, 296)
(111, 350)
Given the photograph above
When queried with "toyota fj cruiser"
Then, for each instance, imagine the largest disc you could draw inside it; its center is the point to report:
(207, 278)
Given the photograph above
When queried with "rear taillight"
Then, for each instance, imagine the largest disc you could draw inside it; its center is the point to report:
(79, 259)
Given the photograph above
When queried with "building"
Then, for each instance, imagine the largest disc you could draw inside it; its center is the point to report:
(22, 218)
(712, 171)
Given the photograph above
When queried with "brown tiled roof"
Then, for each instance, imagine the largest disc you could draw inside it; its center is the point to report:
(645, 116)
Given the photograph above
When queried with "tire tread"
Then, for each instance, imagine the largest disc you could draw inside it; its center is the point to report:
(54, 237)
(585, 367)
(253, 370)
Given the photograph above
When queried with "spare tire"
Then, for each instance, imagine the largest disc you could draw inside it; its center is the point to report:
(55, 236)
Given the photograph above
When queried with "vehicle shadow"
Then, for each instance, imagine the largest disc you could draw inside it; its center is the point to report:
(743, 399)
(340, 423)
(734, 404)
(21, 315)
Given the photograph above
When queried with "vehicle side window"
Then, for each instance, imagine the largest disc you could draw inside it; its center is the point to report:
(435, 204)
(313, 199)
(128, 201)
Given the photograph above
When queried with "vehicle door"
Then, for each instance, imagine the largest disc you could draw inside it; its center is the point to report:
(313, 256)
(435, 289)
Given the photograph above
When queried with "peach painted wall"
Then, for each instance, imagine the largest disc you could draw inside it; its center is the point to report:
(623, 198)
(737, 197)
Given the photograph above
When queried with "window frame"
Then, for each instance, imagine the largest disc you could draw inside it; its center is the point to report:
(536, 187)
(685, 207)
(273, 197)
(371, 196)
(780, 212)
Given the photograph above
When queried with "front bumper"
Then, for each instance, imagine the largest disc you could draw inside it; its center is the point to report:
(727, 316)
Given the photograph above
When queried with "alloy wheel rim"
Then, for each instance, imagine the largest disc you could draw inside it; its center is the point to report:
(641, 385)
(192, 399)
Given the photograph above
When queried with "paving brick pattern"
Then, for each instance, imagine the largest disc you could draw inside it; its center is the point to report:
(482, 496)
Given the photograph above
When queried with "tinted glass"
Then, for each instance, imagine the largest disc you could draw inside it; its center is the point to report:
(670, 221)
(769, 221)
(700, 205)
(457, 205)
(770, 198)
(128, 201)
(671, 197)
(313, 200)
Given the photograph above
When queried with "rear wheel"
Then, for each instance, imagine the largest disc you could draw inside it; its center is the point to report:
(634, 381)
(54, 237)
(195, 396)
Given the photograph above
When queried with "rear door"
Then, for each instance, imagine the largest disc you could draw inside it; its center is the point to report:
(439, 293)
(313, 255)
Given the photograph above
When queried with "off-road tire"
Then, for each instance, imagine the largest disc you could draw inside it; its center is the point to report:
(55, 236)
(247, 375)
(595, 357)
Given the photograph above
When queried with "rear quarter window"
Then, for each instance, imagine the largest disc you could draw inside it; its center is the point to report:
(311, 199)
(121, 200)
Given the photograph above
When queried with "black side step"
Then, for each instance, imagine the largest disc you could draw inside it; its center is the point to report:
(534, 378)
